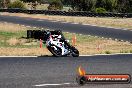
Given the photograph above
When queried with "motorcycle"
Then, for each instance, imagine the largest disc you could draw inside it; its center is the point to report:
(55, 42)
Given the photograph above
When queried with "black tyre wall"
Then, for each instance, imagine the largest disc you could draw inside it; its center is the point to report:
(29, 34)
(36, 34)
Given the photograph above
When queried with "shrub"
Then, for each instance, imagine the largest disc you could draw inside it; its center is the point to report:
(100, 10)
(0, 3)
(55, 5)
(107, 52)
(124, 51)
(130, 51)
(17, 4)
(121, 51)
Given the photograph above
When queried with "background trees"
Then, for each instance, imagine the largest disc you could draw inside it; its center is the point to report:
(108, 5)
(123, 6)
(0, 3)
(4, 3)
(94, 5)
(55, 5)
(16, 4)
(33, 3)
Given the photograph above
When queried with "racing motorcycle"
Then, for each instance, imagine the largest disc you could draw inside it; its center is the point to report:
(55, 42)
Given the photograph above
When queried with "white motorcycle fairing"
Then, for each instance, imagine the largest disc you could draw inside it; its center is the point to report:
(55, 42)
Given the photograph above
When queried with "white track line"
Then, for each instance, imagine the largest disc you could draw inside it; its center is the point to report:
(54, 21)
(34, 27)
(28, 26)
(108, 54)
(23, 25)
(18, 56)
(40, 20)
(74, 23)
(85, 24)
(40, 85)
(124, 29)
(79, 55)
(64, 22)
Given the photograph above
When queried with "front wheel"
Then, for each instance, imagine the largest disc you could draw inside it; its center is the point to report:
(75, 52)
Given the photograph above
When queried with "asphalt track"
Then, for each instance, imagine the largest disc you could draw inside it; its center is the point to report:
(119, 34)
(53, 72)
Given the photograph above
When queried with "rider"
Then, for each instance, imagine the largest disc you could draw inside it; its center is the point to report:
(60, 42)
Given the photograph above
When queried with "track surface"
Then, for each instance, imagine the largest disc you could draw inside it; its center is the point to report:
(125, 35)
(28, 72)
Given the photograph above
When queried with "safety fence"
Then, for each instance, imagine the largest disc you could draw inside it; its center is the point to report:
(65, 13)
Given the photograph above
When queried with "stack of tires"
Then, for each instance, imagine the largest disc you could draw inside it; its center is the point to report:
(36, 34)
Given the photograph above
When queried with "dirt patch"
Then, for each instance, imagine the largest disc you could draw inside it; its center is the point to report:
(23, 51)
(10, 27)
(13, 41)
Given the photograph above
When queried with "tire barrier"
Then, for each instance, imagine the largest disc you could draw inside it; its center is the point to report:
(65, 13)
(36, 34)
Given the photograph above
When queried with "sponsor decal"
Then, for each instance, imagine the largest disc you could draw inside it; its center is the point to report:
(84, 78)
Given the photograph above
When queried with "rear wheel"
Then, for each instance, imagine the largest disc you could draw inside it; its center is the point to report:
(75, 52)
(56, 53)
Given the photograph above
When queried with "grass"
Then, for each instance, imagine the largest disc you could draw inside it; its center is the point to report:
(12, 36)
(7, 34)
(13, 42)
(109, 22)
(126, 51)
(94, 45)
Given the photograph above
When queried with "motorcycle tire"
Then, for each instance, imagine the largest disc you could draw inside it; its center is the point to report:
(75, 52)
(53, 52)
